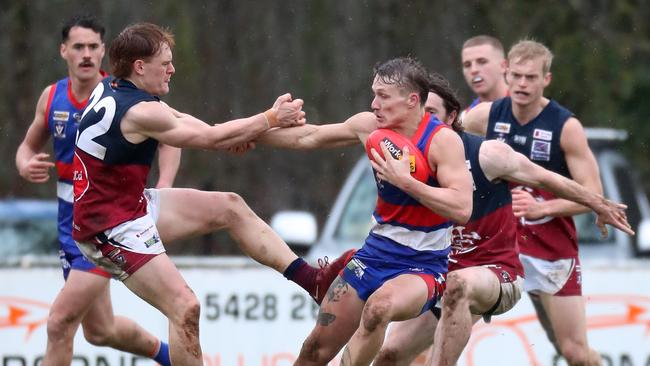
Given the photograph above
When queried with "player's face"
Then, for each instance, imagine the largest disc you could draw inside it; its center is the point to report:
(391, 104)
(83, 51)
(527, 80)
(435, 106)
(483, 68)
(158, 71)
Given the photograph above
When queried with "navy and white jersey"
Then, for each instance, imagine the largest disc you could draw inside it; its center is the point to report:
(548, 238)
(539, 139)
(110, 172)
(490, 235)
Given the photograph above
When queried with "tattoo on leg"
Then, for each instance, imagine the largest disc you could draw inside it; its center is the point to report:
(337, 289)
(326, 319)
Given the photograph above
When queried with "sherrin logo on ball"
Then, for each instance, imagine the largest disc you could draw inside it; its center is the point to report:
(395, 143)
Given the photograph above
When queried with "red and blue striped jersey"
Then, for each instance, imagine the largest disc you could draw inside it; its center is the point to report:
(62, 115)
(406, 226)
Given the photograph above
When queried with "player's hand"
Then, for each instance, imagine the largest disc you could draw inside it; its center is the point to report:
(242, 148)
(613, 213)
(37, 169)
(395, 172)
(525, 205)
(288, 112)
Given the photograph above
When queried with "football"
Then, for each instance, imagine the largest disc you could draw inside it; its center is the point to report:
(395, 143)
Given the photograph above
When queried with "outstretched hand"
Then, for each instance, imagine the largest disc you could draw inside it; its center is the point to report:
(389, 169)
(288, 111)
(613, 213)
(37, 169)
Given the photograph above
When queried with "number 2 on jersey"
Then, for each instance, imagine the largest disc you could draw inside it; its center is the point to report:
(85, 139)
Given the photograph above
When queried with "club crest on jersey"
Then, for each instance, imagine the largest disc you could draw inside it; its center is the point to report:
(540, 150)
(542, 134)
(502, 127)
(506, 276)
(61, 116)
(59, 129)
(117, 257)
(77, 117)
(396, 152)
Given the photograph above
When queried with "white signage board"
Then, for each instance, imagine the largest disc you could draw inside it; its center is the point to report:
(255, 317)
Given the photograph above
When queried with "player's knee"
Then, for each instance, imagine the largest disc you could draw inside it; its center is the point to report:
(234, 205)
(455, 292)
(96, 337)
(376, 312)
(575, 353)
(61, 325)
(187, 311)
(312, 351)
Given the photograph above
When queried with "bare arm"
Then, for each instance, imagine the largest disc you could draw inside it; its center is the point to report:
(169, 159)
(453, 199)
(168, 126)
(500, 161)
(32, 163)
(476, 119)
(354, 129)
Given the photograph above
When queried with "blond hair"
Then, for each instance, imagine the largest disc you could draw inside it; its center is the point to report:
(531, 50)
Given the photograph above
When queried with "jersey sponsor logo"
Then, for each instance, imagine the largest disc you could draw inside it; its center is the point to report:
(357, 267)
(61, 116)
(540, 150)
(151, 241)
(543, 134)
(80, 181)
(59, 129)
(502, 127)
(521, 140)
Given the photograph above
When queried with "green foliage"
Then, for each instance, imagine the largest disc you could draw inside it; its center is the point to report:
(234, 57)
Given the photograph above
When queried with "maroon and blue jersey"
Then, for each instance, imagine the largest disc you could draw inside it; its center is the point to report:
(110, 172)
(549, 238)
(405, 230)
(490, 235)
(62, 115)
